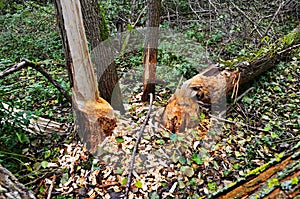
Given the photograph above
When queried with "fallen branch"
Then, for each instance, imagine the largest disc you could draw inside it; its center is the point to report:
(238, 123)
(51, 187)
(37, 66)
(136, 146)
(37, 125)
(289, 49)
(275, 179)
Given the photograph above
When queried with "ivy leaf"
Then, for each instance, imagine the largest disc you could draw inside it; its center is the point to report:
(138, 184)
(44, 164)
(268, 127)
(160, 141)
(124, 181)
(119, 171)
(22, 137)
(197, 159)
(173, 137)
(47, 154)
(64, 179)
(202, 116)
(212, 186)
(182, 160)
(120, 139)
(295, 181)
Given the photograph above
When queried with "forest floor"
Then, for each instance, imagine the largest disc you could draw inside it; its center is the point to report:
(259, 127)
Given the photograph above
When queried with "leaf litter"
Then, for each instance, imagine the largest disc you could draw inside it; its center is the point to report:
(179, 165)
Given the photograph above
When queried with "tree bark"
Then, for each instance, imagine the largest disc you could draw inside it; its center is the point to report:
(278, 178)
(97, 32)
(11, 188)
(212, 85)
(63, 34)
(151, 45)
(94, 116)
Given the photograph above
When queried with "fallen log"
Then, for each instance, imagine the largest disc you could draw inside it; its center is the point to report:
(37, 125)
(278, 178)
(210, 87)
(11, 188)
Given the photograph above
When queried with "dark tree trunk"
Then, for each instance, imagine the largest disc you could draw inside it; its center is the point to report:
(96, 32)
(151, 44)
(63, 34)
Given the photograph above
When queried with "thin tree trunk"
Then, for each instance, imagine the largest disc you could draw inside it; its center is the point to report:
(63, 34)
(151, 45)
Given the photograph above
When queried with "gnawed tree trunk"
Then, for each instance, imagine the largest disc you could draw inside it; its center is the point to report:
(11, 188)
(212, 85)
(151, 45)
(278, 178)
(94, 116)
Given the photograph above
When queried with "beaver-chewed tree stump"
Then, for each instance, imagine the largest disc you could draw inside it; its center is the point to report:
(210, 86)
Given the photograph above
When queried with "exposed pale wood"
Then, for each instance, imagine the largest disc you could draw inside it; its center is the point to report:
(94, 116)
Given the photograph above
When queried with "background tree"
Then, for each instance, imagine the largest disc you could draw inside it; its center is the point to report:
(96, 32)
(151, 44)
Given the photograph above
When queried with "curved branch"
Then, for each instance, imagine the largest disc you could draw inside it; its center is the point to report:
(37, 66)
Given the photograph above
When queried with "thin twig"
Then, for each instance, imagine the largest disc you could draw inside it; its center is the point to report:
(276, 13)
(289, 49)
(51, 187)
(55, 172)
(237, 86)
(136, 146)
(288, 140)
(237, 99)
(140, 15)
(199, 18)
(245, 93)
(247, 17)
(238, 123)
